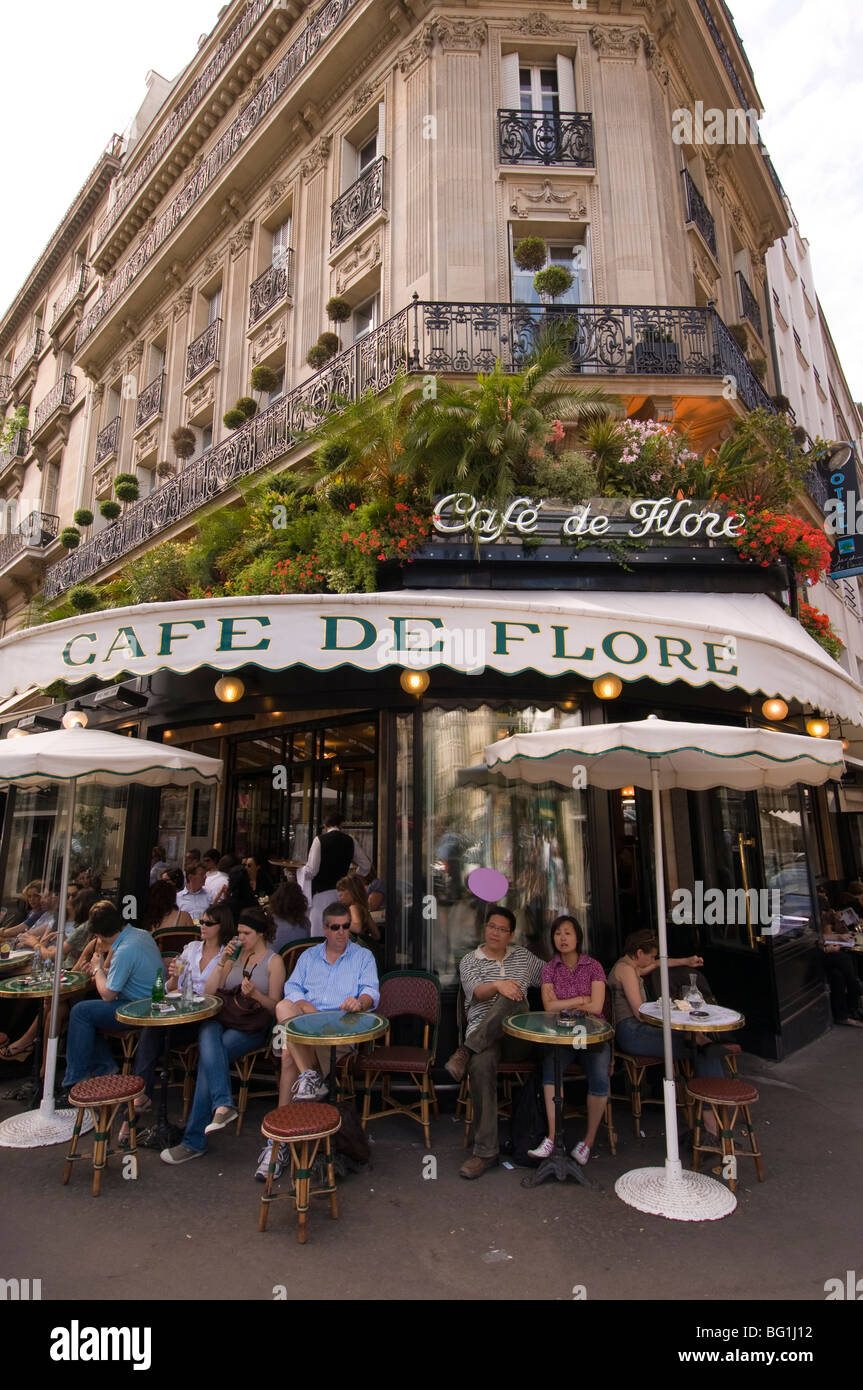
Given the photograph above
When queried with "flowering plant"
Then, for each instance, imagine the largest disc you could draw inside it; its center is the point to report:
(818, 625)
(768, 538)
(642, 458)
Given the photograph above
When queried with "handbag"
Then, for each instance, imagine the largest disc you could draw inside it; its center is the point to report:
(244, 1015)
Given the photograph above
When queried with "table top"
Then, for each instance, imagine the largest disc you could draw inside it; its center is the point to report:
(718, 1020)
(547, 1028)
(139, 1012)
(331, 1027)
(15, 961)
(23, 985)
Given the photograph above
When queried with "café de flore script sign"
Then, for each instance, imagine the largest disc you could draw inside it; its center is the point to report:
(460, 514)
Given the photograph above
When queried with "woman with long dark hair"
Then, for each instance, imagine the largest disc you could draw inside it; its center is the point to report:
(161, 910)
(289, 909)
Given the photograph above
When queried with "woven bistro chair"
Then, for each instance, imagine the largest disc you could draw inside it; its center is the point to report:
(290, 954)
(171, 940)
(414, 994)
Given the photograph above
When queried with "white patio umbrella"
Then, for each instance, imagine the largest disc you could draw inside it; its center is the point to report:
(657, 754)
(76, 757)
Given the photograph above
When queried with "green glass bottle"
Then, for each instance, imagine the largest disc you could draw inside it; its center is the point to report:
(158, 995)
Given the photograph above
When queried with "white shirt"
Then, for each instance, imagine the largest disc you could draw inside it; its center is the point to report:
(192, 956)
(195, 904)
(313, 863)
(214, 882)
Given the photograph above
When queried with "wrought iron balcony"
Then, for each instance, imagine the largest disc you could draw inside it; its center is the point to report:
(25, 357)
(204, 351)
(539, 137)
(272, 288)
(193, 98)
(150, 401)
(817, 487)
(749, 304)
(36, 532)
(460, 339)
(17, 450)
(73, 291)
(5, 388)
(301, 52)
(698, 213)
(107, 440)
(60, 397)
(358, 203)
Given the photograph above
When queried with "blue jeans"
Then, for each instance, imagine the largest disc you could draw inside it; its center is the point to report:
(595, 1060)
(218, 1047)
(88, 1052)
(641, 1038)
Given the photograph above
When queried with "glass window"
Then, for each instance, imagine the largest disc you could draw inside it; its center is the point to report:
(367, 154)
(214, 306)
(366, 318)
(573, 258)
(538, 90)
(536, 836)
(785, 861)
(281, 242)
(279, 389)
(38, 831)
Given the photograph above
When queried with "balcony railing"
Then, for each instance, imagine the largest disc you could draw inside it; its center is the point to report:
(272, 288)
(35, 533)
(818, 487)
(5, 388)
(539, 137)
(18, 449)
(460, 339)
(300, 53)
(150, 401)
(193, 98)
(358, 203)
(698, 212)
(107, 440)
(204, 351)
(61, 395)
(76, 287)
(748, 303)
(25, 357)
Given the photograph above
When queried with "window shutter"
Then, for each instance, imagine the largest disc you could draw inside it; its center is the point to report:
(565, 83)
(510, 99)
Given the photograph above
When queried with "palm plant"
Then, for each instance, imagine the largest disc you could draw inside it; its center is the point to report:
(487, 439)
(370, 443)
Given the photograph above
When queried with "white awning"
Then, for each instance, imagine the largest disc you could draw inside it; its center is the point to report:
(730, 641)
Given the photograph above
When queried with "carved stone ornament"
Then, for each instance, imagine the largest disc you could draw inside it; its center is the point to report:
(242, 240)
(182, 302)
(417, 50)
(460, 35)
(537, 25)
(157, 321)
(362, 96)
(272, 337)
(277, 192)
(202, 396)
(210, 264)
(102, 481)
(615, 41)
(654, 60)
(527, 199)
(318, 157)
(736, 217)
(361, 258)
(704, 269)
(134, 358)
(146, 444)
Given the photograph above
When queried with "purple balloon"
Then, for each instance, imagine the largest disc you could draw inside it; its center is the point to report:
(488, 885)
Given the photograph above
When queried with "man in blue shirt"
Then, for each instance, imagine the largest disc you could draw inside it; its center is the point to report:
(131, 973)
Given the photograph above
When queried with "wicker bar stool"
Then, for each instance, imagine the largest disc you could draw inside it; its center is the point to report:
(726, 1097)
(303, 1126)
(103, 1096)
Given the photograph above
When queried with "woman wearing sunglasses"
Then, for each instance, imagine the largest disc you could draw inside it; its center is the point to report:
(251, 978)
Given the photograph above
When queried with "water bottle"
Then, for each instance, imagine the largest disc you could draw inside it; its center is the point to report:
(188, 988)
(157, 998)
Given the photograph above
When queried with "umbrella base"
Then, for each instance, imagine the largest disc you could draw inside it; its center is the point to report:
(682, 1196)
(33, 1130)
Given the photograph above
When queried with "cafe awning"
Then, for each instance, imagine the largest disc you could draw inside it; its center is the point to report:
(729, 641)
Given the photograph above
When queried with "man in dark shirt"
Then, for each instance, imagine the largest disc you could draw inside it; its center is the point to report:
(330, 858)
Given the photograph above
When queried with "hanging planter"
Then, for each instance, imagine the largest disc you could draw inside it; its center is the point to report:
(818, 625)
(768, 538)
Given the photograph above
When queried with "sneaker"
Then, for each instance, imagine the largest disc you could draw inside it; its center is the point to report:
(581, 1153)
(179, 1154)
(263, 1168)
(227, 1117)
(543, 1150)
(309, 1086)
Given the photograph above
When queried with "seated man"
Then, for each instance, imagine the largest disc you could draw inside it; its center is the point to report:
(194, 899)
(495, 979)
(335, 975)
(45, 922)
(135, 961)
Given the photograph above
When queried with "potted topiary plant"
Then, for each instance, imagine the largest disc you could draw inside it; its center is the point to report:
(739, 334)
(126, 487)
(338, 310)
(530, 253)
(110, 510)
(165, 469)
(83, 517)
(552, 282)
(264, 379)
(318, 356)
(782, 403)
(247, 406)
(759, 366)
(184, 442)
(233, 419)
(83, 599)
(331, 341)
(70, 537)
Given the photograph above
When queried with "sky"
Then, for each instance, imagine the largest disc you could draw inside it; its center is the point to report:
(70, 93)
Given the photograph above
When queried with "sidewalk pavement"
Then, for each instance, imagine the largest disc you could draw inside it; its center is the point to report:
(191, 1232)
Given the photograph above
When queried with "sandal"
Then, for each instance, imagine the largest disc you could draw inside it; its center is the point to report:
(10, 1052)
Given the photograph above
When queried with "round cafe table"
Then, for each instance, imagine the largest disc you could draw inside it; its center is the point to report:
(141, 1013)
(332, 1028)
(712, 1018)
(25, 987)
(581, 1032)
(15, 962)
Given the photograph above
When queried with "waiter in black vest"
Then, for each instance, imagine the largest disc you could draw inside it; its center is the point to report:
(330, 858)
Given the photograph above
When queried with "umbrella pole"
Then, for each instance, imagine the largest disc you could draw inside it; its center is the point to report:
(673, 1166)
(47, 1106)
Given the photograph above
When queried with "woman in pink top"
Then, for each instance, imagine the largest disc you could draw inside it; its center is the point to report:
(573, 981)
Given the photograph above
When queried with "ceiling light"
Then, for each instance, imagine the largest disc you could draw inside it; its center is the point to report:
(607, 687)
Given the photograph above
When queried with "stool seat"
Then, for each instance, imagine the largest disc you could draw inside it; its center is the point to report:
(301, 1119)
(505, 1067)
(731, 1049)
(722, 1090)
(106, 1090)
(406, 1059)
(640, 1060)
